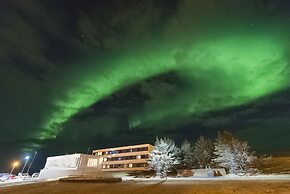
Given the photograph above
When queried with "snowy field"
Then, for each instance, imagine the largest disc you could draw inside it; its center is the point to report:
(19, 181)
(231, 184)
(224, 178)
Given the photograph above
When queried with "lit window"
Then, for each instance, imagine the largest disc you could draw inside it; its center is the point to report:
(105, 159)
(92, 162)
(138, 157)
(130, 165)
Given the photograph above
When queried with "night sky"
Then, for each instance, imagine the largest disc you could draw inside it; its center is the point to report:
(99, 73)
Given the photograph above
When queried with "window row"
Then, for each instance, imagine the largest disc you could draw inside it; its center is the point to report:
(125, 165)
(126, 158)
(123, 151)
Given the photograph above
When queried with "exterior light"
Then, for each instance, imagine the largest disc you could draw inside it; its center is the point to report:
(26, 158)
(14, 164)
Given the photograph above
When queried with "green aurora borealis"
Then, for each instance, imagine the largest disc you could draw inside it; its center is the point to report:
(78, 74)
(246, 66)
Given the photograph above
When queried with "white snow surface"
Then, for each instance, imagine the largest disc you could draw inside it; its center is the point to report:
(229, 177)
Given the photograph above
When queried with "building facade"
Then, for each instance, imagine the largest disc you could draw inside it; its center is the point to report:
(102, 162)
(70, 165)
(126, 158)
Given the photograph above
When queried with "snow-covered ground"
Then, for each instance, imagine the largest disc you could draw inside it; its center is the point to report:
(18, 181)
(223, 178)
(169, 180)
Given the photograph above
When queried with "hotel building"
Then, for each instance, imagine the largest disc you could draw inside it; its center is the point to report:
(103, 162)
(126, 158)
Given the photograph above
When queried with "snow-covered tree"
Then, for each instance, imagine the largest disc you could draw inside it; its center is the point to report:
(203, 152)
(186, 155)
(225, 156)
(243, 156)
(233, 154)
(163, 158)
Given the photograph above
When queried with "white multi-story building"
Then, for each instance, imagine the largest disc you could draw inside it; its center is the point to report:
(126, 158)
(101, 163)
